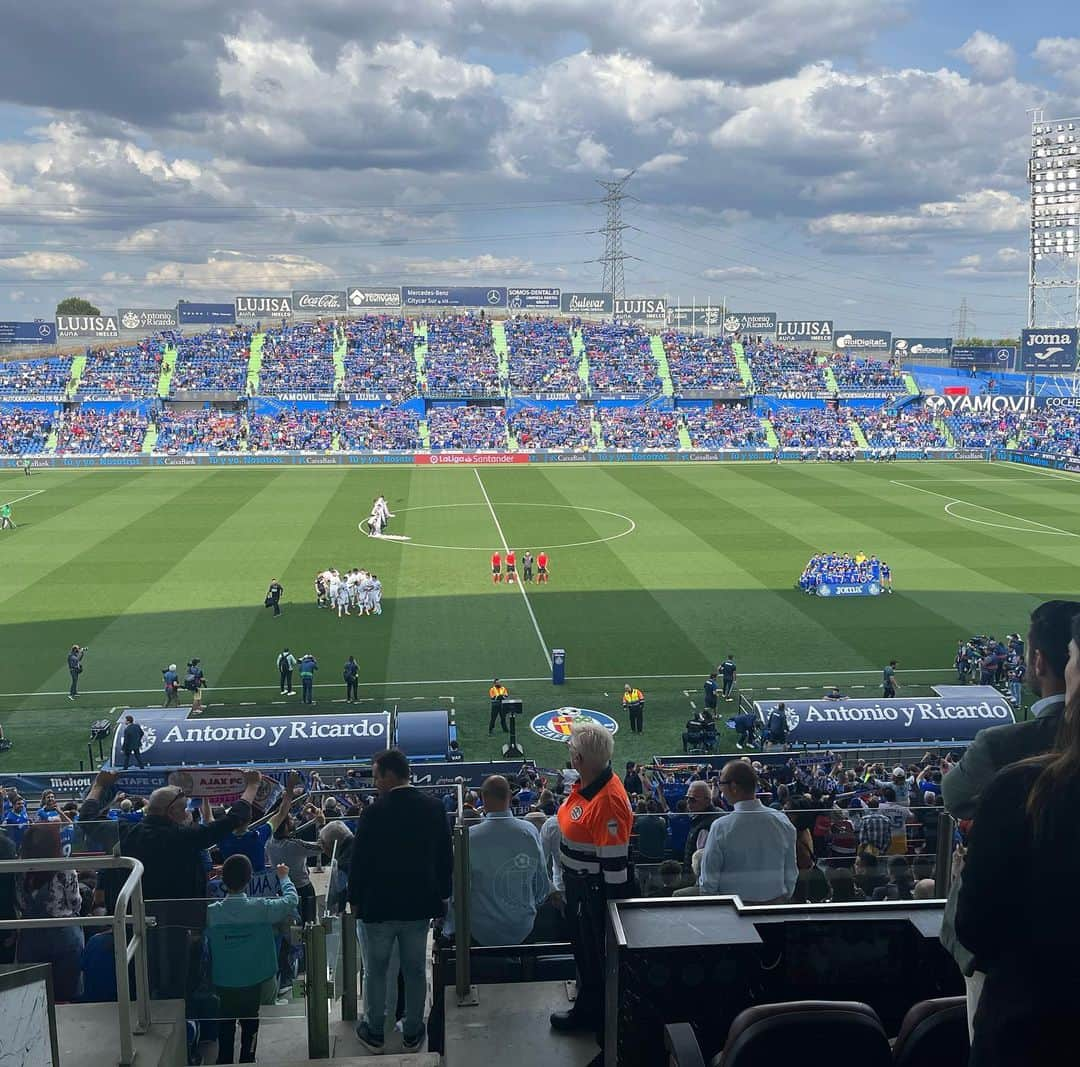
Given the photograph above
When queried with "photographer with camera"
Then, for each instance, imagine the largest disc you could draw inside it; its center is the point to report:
(194, 682)
(74, 662)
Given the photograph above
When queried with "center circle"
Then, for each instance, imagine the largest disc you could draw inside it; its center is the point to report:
(631, 526)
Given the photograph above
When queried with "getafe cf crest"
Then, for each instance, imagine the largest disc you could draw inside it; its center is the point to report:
(557, 725)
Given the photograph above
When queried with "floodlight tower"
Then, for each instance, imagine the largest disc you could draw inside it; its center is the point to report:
(1054, 266)
(614, 257)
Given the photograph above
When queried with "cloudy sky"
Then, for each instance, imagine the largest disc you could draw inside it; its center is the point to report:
(860, 160)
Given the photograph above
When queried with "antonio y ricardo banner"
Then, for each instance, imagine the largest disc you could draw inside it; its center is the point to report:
(189, 313)
(147, 319)
(750, 322)
(816, 331)
(454, 296)
(1049, 350)
(27, 333)
(908, 720)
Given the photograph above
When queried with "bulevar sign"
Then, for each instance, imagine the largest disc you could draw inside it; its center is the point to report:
(980, 405)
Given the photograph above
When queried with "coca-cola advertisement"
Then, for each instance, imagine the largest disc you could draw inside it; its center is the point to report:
(318, 302)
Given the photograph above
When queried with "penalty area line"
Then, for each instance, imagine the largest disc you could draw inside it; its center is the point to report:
(993, 511)
(520, 585)
(25, 496)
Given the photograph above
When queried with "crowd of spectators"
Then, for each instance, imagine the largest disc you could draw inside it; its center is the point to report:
(376, 429)
(812, 427)
(204, 430)
(380, 357)
(906, 429)
(24, 431)
(778, 368)
(992, 430)
(723, 427)
(639, 428)
(308, 431)
(621, 360)
(467, 427)
(1050, 430)
(116, 431)
(132, 371)
(541, 356)
(697, 362)
(569, 426)
(461, 357)
(213, 361)
(46, 378)
(855, 375)
(298, 358)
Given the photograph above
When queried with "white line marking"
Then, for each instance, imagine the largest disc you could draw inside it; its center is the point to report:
(1061, 476)
(982, 522)
(518, 583)
(943, 668)
(25, 496)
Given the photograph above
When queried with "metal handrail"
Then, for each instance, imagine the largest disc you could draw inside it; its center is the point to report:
(130, 894)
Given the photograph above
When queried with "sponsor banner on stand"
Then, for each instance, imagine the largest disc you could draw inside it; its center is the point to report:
(188, 313)
(916, 348)
(363, 298)
(914, 719)
(452, 459)
(318, 302)
(454, 296)
(981, 405)
(832, 589)
(586, 303)
(98, 327)
(142, 319)
(750, 322)
(818, 331)
(863, 341)
(641, 308)
(1049, 350)
(27, 333)
(989, 357)
(557, 725)
(689, 318)
(533, 299)
(254, 308)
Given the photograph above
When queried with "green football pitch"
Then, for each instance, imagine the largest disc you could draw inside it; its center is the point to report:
(658, 571)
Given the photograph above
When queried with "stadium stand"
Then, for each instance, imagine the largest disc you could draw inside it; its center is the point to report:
(855, 375)
(812, 427)
(376, 429)
(461, 358)
(215, 361)
(563, 427)
(46, 378)
(298, 358)
(723, 427)
(130, 371)
(24, 431)
(198, 431)
(913, 429)
(467, 428)
(639, 428)
(307, 431)
(541, 356)
(1055, 431)
(621, 362)
(379, 357)
(698, 363)
(984, 431)
(779, 369)
(115, 432)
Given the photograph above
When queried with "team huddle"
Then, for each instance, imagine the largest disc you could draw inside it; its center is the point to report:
(355, 588)
(375, 524)
(507, 571)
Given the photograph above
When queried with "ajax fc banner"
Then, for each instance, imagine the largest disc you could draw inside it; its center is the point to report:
(913, 719)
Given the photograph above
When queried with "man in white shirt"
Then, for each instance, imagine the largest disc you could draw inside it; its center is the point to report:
(751, 852)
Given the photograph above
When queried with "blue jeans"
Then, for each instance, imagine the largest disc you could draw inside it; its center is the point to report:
(377, 944)
(306, 684)
(1016, 688)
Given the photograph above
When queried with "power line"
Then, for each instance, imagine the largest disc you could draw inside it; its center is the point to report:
(614, 257)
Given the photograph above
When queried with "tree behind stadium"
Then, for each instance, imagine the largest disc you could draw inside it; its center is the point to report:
(76, 305)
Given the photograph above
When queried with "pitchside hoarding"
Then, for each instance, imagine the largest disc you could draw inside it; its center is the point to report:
(864, 341)
(454, 296)
(641, 308)
(916, 348)
(1049, 350)
(254, 308)
(913, 720)
(318, 302)
(987, 357)
(98, 327)
(586, 303)
(27, 333)
(533, 299)
(205, 314)
(141, 319)
(816, 331)
(363, 298)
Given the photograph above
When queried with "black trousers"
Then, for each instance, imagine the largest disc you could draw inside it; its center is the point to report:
(238, 1005)
(637, 717)
(138, 758)
(350, 688)
(729, 684)
(587, 939)
(74, 690)
(275, 605)
(497, 713)
(286, 681)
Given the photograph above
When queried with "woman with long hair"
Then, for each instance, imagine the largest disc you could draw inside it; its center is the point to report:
(49, 895)
(1017, 906)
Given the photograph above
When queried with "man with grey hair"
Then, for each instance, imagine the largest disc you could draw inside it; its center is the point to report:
(703, 812)
(595, 824)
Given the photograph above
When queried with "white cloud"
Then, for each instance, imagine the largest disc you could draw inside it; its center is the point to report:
(1003, 261)
(1061, 56)
(720, 274)
(662, 163)
(226, 271)
(990, 58)
(591, 155)
(41, 264)
(987, 211)
(473, 266)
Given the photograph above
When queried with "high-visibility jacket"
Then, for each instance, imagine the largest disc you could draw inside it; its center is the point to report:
(635, 696)
(594, 849)
(497, 692)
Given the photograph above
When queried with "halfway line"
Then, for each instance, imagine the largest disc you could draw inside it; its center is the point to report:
(518, 583)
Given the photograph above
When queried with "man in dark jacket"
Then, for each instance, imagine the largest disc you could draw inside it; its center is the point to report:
(997, 747)
(131, 741)
(400, 876)
(273, 596)
(699, 803)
